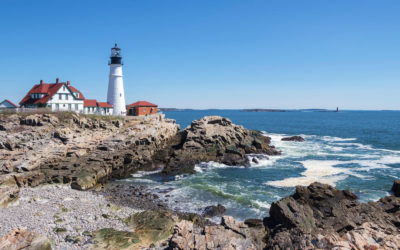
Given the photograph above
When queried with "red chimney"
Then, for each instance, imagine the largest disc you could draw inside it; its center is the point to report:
(68, 83)
(41, 82)
(58, 80)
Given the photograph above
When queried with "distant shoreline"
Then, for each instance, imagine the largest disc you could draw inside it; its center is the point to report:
(277, 110)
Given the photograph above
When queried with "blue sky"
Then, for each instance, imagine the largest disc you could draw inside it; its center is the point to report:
(209, 54)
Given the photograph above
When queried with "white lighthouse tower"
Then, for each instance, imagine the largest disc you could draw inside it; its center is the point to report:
(116, 95)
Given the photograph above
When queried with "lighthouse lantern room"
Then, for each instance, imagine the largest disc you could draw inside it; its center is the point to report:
(116, 95)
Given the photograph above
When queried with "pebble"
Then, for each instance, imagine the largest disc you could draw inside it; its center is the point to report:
(43, 209)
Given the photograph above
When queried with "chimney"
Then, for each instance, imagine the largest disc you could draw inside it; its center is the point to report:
(58, 80)
(68, 83)
(41, 82)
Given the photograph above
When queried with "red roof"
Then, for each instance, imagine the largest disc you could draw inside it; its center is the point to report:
(90, 103)
(141, 104)
(104, 105)
(75, 90)
(48, 89)
(10, 102)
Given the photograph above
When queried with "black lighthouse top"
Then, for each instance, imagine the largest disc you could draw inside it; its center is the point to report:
(116, 57)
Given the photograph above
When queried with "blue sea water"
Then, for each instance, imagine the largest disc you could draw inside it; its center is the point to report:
(356, 150)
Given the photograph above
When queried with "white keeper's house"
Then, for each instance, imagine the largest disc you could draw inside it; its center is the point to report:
(62, 96)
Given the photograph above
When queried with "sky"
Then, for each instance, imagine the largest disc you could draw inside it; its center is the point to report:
(223, 54)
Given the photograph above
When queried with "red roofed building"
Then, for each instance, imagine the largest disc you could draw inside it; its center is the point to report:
(90, 106)
(94, 107)
(105, 108)
(56, 96)
(141, 108)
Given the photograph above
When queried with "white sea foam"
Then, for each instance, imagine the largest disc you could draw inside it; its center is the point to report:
(335, 139)
(262, 160)
(144, 173)
(204, 166)
(262, 204)
(316, 170)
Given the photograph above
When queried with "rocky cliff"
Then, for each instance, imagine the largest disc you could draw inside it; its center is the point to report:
(86, 150)
(76, 149)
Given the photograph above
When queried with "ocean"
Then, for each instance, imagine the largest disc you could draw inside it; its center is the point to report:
(356, 150)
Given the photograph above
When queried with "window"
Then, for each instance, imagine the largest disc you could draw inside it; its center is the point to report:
(144, 109)
(76, 106)
(60, 96)
(64, 88)
(69, 106)
(120, 94)
(57, 106)
(77, 94)
(64, 105)
(66, 96)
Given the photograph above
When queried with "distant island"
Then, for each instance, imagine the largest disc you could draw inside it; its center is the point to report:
(263, 110)
(169, 109)
(254, 110)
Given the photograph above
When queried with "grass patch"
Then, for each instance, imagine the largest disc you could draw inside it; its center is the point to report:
(115, 208)
(109, 237)
(59, 220)
(59, 230)
(65, 210)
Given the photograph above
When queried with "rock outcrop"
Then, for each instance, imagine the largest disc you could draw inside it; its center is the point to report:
(86, 150)
(396, 188)
(23, 239)
(212, 211)
(77, 149)
(320, 216)
(213, 138)
(293, 138)
(8, 190)
(230, 234)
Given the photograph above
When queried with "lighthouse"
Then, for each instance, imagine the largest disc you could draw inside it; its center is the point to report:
(115, 95)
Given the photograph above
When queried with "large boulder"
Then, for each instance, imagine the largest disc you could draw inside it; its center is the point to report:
(213, 138)
(9, 190)
(23, 239)
(212, 211)
(321, 216)
(396, 188)
(296, 138)
(230, 234)
(152, 226)
(109, 238)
